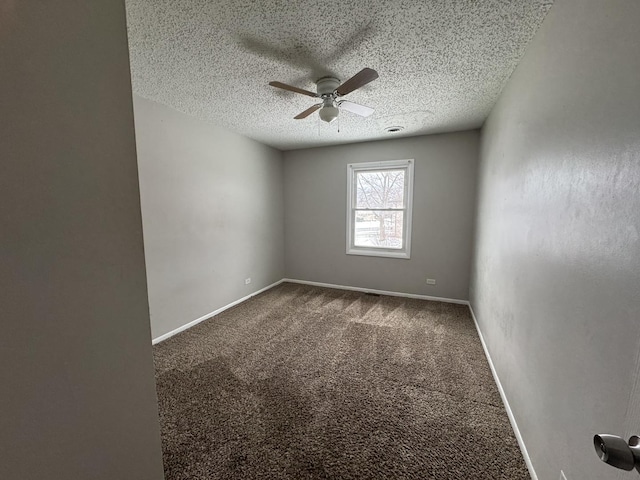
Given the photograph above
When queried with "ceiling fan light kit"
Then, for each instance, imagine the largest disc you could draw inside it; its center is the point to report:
(328, 113)
(329, 90)
(326, 88)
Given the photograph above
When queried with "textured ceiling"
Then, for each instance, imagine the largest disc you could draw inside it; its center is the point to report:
(442, 64)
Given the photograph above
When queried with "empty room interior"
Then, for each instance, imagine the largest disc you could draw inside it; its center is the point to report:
(320, 240)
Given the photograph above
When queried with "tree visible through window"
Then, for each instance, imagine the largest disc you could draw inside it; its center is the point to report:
(376, 193)
(379, 213)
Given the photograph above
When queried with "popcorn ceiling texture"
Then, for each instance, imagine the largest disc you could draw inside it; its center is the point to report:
(442, 63)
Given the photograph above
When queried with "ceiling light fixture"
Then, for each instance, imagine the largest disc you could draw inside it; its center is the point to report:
(329, 112)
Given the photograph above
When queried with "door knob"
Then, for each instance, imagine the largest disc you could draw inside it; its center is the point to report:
(616, 452)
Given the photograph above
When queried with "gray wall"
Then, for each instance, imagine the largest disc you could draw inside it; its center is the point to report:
(443, 211)
(76, 373)
(556, 277)
(212, 212)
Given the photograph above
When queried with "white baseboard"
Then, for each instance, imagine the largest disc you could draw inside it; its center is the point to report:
(212, 314)
(304, 282)
(379, 292)
(512, 420)
(514, 425)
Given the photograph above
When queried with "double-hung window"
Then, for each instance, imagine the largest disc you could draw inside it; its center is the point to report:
(379, 208)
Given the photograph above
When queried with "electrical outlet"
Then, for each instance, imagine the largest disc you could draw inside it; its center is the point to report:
(431, 281)
(562, 475)
(247, 281)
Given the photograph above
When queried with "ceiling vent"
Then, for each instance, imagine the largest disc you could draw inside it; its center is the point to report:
(394, 129)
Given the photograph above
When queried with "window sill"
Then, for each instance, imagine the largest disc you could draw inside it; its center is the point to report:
(378, 253)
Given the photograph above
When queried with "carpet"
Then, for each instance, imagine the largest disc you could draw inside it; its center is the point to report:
(302, 382)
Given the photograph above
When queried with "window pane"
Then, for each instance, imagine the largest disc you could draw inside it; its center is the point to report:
(378, 229)
(380, 189)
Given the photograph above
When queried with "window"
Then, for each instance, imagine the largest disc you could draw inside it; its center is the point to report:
(379, 208)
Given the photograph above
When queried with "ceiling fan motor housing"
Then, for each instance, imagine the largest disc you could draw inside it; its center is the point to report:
(327, 85)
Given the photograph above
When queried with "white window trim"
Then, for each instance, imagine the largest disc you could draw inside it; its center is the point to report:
(405, 252)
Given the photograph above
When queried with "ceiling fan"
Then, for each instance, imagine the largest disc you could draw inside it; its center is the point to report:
(329, 91)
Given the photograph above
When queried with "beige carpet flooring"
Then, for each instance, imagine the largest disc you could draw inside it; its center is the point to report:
(303, 382)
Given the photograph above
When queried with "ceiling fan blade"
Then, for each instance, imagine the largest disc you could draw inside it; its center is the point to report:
(355, 108)
(308, 112)
(284, 86)
(360, 79)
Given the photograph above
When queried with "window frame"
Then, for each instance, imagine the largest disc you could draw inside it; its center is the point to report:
(352, 170)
